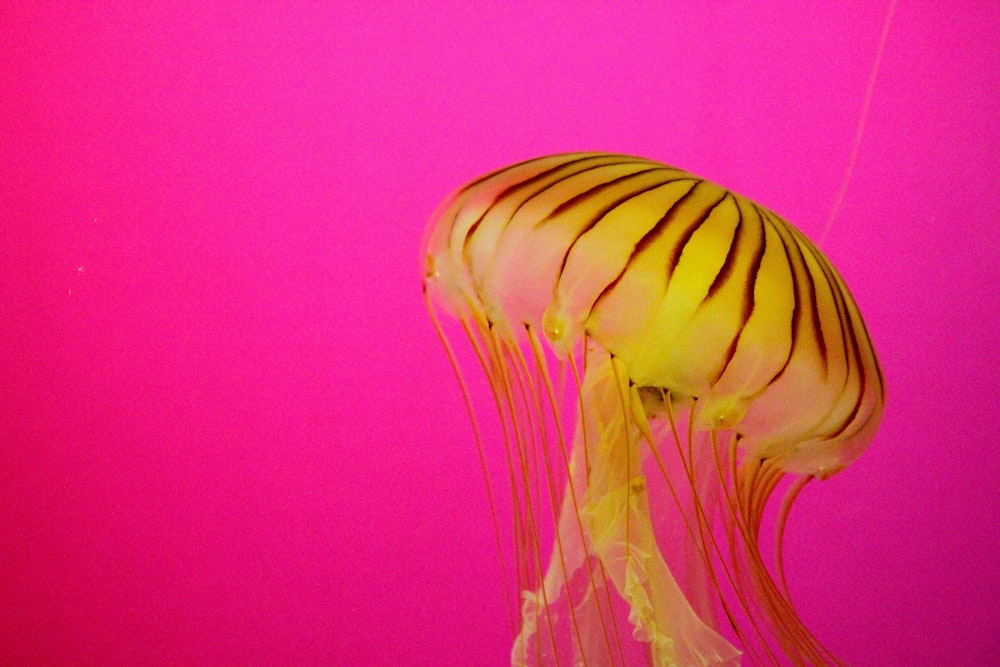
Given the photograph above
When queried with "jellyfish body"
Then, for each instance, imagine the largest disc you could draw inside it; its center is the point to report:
(710, 352)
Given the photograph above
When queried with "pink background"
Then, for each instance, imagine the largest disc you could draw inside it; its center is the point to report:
(229, 434)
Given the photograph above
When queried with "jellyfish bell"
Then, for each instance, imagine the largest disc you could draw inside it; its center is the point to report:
(712, 355)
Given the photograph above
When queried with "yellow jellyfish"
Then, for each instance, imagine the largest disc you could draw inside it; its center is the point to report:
(711, 355)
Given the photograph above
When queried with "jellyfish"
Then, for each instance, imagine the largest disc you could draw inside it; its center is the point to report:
(665, 358)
